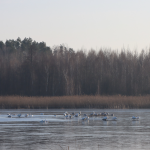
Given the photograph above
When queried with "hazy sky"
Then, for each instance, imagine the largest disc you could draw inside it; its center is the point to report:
(78, 23)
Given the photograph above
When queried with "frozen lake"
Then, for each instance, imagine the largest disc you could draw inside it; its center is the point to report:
(60, 133)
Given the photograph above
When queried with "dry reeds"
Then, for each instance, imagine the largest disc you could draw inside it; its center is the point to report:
(112, 102)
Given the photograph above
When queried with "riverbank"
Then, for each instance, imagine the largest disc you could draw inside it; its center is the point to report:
(102, 102)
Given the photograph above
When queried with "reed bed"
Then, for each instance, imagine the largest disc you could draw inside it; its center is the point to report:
(111, 102)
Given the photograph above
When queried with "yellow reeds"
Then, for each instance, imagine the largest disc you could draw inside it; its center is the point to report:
(114, 102)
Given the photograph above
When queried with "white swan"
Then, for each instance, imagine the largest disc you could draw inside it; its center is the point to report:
(66, 113)
(26, 115)
(19, 115)
(85, 118)
(44, 121)
(135, 118)
(68, 116)
(114, 118)
(9, 116)
(80, 113)
(92, 114)
(104, 119)
(30, 115)
(77, 115)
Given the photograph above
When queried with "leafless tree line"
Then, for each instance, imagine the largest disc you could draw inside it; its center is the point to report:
(29, 68)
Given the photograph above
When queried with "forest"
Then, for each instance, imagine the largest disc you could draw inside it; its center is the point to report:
(30, 68)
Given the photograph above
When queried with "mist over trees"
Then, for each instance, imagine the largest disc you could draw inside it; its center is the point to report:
(30, 68)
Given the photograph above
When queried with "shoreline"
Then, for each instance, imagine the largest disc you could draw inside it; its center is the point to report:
(75, 102)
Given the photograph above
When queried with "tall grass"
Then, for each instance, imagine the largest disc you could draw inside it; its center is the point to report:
(114, 102)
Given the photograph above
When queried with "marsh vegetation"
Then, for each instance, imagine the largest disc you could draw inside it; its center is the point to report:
(64, 102)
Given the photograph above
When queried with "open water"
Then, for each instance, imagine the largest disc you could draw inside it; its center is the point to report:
(60, 133)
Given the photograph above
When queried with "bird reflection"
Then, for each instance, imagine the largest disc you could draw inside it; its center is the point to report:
(105, 123)
(134, 123)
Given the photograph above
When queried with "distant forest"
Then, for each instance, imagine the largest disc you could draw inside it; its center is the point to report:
(29, 68)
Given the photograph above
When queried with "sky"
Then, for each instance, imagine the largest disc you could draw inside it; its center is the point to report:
(79, 24)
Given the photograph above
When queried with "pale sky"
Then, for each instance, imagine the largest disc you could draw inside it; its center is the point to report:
(78, 23)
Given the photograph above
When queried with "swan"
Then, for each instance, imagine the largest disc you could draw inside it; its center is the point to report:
(104, 119)
(96, 114)
(44, 121)
(19, 115)
(105, 114)
(85, 118)
(68, 116)
(9, 116)
(77, 115)
(92, 113)
(114, 118)
(100, 114)
(80, 113)
(30, 115)
(66, 113)
(135, 118)
(26, 115)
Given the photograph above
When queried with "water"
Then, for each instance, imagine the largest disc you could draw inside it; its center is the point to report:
(60, 133)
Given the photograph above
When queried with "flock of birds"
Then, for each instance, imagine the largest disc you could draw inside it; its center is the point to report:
(105, 116)
(67, 115)
(19, 115)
